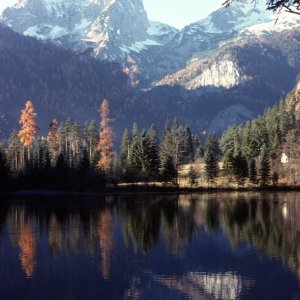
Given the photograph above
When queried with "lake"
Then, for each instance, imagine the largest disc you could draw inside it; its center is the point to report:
(202, 246)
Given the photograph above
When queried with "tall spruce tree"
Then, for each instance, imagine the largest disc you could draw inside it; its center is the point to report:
(253, 172)
(188, 145)
(143, 155)
(230, 144)
(168, 170)
(177, 148)
(134, 151)
(53, 140)
(90, 137)
(211, 158)
(153, 153)
(192, 177)
(166, 142)
(4, 171)
(240, 167)
(264, 166)
(125, 147)
(61, 173)
(14, 151)
(198, 149)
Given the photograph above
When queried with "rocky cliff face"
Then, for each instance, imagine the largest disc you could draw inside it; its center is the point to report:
(235, 63)
(220, 71)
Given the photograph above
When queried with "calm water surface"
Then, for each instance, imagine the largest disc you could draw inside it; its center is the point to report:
(217, 246)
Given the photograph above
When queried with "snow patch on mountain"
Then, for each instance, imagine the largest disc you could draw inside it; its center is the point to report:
(159, 29)
(46, 32)
(237, 16)
(139, 46)
(283, 22)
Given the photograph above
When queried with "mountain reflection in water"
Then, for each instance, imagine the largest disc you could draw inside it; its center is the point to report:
(153, 247)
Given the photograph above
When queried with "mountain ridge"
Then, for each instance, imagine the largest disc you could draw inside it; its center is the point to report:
(119, 30)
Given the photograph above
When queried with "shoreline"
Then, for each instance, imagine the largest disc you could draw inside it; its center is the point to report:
(147, 190)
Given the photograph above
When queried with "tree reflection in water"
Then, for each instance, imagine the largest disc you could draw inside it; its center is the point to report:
(105, 233)
(27, 246)
(268, 222)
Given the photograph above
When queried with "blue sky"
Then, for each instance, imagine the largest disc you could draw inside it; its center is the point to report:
(177, 13)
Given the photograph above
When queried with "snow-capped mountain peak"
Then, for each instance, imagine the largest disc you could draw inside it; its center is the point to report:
(111, 29)
(239, 15)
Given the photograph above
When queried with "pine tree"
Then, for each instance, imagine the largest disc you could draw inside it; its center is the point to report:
(29, 128)
(240, 168)
(177, 148)
(63, 139)
(230, 144)
(105, 145)
(153, 154)
(143, 155)
(188, 145)
(124, 154)
(253, 172)
(75, 145)
(228, 164)
(166, 143)
(61, 173)
(250, 146)
(211, 165)
(90, 137)
(14, 152)
(264, 166)
(211, 155)
(275, 178)
(134, 158)
(198, 149)
(212, 142)
(275, 139)
(41, 154)
(84, 171)
(53, 140)
(192, 177)
(125, 147)
(168, 170)
(4, 171)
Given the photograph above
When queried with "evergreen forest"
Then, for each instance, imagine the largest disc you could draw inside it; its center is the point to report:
(73, 157)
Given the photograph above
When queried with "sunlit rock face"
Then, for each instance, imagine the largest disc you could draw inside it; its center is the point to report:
(224, 73)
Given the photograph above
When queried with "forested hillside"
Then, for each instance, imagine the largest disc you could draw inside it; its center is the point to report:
(61, 84)
(267, 146)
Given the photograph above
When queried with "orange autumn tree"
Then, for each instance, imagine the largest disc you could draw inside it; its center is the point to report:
(29, 127)
(105, 145)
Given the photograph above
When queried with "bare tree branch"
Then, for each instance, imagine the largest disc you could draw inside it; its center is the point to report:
(290, 6)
